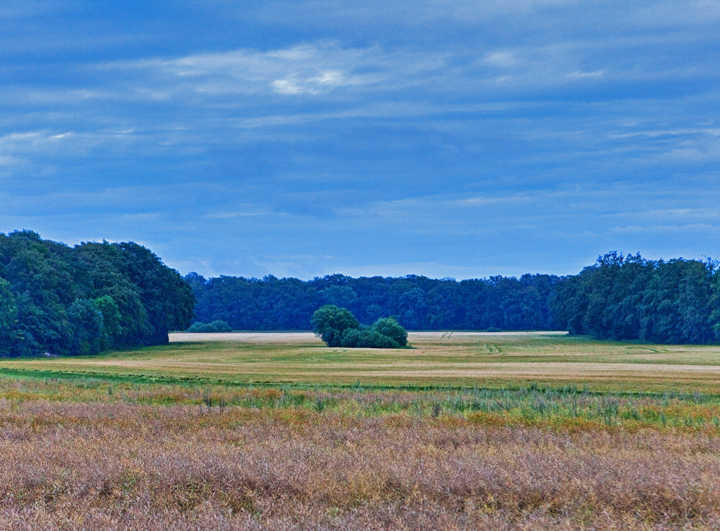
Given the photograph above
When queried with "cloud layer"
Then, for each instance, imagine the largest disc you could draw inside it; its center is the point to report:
(301, 138)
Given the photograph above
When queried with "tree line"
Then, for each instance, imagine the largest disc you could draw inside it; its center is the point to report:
(417, 302)
(92, 297)
(619, 297)
(629, 297)
(62, 300)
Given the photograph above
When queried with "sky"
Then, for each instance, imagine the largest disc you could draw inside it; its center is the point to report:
(302, 138)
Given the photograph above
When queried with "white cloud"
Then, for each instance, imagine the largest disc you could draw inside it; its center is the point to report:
(504, 59)
(311, 69)
(581, 75)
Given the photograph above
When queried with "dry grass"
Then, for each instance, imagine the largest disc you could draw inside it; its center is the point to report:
(91, 455)
(437, 359)
(122, 466)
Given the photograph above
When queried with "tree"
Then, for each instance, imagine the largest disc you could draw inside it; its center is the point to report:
(389, 327)
(85, 299)
(330, 322)
(9, 333)
(88, 327)
(339, 328)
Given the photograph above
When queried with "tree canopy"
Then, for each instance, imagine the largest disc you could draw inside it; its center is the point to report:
(629, 297)
(417, 302)
(338, 327)
(619, 297)
(85, 299)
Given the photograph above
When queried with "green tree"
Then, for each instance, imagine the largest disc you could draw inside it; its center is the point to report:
(87, 326)
(366, 338)
(389, 327)
(9, 333)
(330, 322)
(339, 328)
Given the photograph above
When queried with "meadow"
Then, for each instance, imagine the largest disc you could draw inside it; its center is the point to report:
(436, 359)
(272, 431)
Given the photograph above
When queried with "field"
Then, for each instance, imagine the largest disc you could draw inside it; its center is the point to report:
(450, 358)
(276, 431)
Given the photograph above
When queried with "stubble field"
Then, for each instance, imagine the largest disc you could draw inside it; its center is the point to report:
(437, 358)
(271, 431)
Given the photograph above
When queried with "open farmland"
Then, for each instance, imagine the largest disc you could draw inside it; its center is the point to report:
(437, 359)
(276, 431)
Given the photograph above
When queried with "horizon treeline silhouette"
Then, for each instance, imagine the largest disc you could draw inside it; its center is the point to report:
(619, 297)
(60, 300)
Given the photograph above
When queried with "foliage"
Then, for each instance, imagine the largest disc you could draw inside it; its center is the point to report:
(85, 299)
(338, 327)
(629, 297)
(10, 336)
(366, 338)
(620, 297)
(209, 328)
(391, 328)
(419, 303)
(331, 324)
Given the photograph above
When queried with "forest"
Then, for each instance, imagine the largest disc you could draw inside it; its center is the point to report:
(418, 303)
(619, 297)
(60, 300)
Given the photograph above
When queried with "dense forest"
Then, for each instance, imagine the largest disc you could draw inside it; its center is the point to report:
(92, 297)
(677, 301)
(63, 300)
(619, 297)
(418, 303)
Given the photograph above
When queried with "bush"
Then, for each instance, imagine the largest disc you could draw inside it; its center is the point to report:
(366, 338)
(391, 328)
(209, 328)
(337, 327)
(330, 322)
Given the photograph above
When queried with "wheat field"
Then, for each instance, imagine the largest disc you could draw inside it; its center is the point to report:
(464, 431)
(437, 358)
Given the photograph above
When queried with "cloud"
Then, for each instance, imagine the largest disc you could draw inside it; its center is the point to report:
(307, 69)
(317, 137)
(581, 75)
(230, 215)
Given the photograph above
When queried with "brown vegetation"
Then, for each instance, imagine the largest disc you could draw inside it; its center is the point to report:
(119, 465)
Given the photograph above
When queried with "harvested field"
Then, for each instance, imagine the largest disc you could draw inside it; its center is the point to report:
(437, 358)
(271, 431)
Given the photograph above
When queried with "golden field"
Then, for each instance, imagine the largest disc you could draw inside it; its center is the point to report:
(437, 358)
(265, 431)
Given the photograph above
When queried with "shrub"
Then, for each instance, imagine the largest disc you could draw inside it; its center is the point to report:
(391, 328)
(367, 338)
(330, 322)
(337, 327)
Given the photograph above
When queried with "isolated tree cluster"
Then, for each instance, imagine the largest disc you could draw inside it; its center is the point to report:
(338, 327)
(65, 300)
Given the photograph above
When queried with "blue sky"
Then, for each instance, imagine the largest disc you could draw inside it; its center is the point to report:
(302, 138)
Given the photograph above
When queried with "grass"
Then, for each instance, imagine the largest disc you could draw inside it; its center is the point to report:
(94, 454)
(265, 434)
(437, 359)
(535, 406)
